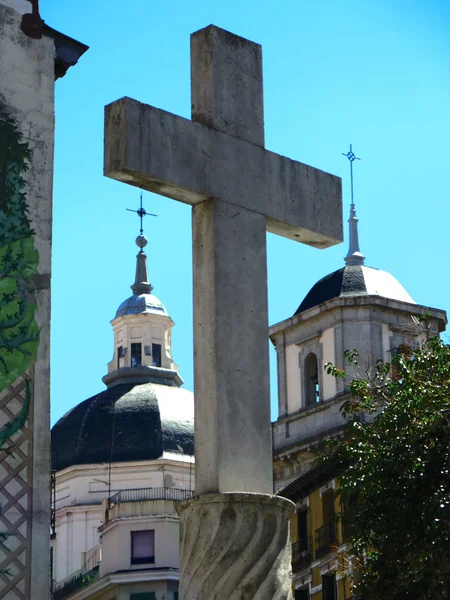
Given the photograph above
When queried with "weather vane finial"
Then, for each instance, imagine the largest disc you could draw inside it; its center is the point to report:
(354, 256)
(351, 157)
(141, 283)
(141, 212)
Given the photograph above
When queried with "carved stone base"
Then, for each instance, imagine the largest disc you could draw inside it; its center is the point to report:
(235, 546)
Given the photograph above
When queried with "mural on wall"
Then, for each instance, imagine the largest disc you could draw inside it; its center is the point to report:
(19, 340)
(19, 334)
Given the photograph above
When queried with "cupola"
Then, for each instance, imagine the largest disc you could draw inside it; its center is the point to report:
(142, 334)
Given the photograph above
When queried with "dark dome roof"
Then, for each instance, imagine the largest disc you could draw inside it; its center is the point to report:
(147, 419)
(355, 280)
(140, 304)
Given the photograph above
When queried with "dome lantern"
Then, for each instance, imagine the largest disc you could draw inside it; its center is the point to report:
(142, 332)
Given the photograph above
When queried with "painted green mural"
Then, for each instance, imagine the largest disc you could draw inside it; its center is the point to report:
(19, 333)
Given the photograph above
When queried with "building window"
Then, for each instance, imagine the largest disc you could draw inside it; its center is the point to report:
(136, 355)
(348, 508)
(143, 596)
(301, 550)
(326, 535)
(156, 353)
(302, 530)
(312, 391)
(142, 547)
(404, 350)
(329, 591)
(302, 594)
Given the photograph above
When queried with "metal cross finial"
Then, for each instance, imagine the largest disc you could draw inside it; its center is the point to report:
(142, 213)
(351, 157)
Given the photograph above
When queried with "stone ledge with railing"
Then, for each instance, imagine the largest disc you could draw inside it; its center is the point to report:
(325, 539)
(136, 501)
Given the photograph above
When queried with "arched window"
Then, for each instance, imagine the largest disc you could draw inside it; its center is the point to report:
(403, 349)
(312, 392)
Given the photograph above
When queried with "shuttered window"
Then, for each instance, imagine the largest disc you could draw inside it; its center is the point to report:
(142, 547)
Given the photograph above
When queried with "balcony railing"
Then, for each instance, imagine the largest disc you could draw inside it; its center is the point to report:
(87, 574)
(142, 494)
(301, 553)
(325, 537)
(76, 583)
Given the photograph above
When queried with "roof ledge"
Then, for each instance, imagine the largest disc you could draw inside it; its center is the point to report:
(143, 374)
(68, 50)
(344, 302)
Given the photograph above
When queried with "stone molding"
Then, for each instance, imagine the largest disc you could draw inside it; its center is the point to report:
(335, 305)
(143, 374)
(235, 546)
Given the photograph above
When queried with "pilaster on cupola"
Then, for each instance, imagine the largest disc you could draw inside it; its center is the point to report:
(142, 334)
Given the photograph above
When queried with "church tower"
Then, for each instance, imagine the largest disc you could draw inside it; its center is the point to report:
(356, 307)
(122, 458)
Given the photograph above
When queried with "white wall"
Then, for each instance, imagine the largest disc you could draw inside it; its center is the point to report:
(116, 542)
(79, 494)
(76, 534)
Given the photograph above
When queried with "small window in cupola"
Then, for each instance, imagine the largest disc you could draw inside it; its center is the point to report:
(136, 355)
(156, 353)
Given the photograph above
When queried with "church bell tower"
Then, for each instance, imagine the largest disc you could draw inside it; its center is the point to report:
(356, 307)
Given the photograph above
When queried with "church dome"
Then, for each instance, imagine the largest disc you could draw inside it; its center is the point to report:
(142, 304)
(355, 280)
(127, 422)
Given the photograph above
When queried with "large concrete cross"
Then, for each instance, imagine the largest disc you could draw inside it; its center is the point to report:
(217, 163)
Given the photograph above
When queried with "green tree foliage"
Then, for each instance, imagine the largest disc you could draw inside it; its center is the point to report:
(396, 464)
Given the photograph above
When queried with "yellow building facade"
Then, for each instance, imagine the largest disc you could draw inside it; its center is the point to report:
(320, 559)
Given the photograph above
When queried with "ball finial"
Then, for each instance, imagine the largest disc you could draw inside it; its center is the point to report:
(141, 241)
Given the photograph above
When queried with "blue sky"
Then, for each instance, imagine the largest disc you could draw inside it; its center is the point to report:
(371, 73)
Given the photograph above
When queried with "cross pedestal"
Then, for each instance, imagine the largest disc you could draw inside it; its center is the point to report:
(234, 534)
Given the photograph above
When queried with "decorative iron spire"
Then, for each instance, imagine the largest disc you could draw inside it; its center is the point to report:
(141, 283)
(354, 255)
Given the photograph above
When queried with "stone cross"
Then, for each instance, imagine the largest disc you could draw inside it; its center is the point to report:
(217, 163)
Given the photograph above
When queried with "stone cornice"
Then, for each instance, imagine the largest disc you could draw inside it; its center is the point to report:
(143, 374)
(318, 312)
